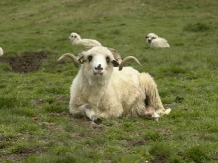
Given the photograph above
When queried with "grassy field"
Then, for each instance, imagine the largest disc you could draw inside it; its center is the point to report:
(35, 124)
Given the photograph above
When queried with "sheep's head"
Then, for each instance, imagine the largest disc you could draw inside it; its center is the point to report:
(150, 37)
(98, 61)
(74, 37)
(116, 56)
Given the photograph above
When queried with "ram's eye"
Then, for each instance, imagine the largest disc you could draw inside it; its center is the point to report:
(89, 58)
(153, 37)
(107, 59)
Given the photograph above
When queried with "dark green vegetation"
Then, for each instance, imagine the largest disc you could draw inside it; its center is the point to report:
(35, 125)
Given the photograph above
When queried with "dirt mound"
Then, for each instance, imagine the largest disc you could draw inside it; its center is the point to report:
(28, 62)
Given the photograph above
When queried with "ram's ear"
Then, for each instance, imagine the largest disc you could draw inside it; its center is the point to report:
(115, 63)
(81, 60)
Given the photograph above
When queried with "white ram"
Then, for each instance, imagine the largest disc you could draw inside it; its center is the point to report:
(154, 41)
(101, 90)
(77, 40)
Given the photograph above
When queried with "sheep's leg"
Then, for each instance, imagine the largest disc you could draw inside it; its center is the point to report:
(153, 98)
(78, 113)
(91, 114)
(86, 110)
(150, 111)
(152, 95)
(154, 101)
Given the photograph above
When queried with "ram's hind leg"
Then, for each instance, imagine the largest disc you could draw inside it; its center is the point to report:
(152, 97)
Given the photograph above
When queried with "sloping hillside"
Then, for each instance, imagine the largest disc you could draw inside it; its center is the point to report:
(35, 124)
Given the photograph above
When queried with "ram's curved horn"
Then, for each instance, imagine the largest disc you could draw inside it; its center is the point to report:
(127, 59)
(81, 53)
(70, 55)
(116, 55)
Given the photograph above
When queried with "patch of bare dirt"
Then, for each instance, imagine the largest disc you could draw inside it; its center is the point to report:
(28, 62)
(21, 154)
(159, 159)
(134, 143)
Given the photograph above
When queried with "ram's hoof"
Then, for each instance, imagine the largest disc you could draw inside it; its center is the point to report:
(97, 120)
(156, 116)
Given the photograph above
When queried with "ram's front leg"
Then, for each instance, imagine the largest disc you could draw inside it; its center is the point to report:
(87, 110)
(91, 114)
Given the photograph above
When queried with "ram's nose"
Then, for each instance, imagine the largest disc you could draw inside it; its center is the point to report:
(149, 41)
(98, 67)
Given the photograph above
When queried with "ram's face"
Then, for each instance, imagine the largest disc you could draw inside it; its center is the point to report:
(73, 37)
(150, 37)
(98, 62)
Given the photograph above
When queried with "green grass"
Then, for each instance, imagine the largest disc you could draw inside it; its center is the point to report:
(35, 125)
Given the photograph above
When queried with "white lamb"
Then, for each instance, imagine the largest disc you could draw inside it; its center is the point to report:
(101, 90)
(77, 40)
(1, 51)
(154, 41)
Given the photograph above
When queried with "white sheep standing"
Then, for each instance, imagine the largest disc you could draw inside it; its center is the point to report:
(101, 90)
(1, 51)
(77, 40)
(154, 41)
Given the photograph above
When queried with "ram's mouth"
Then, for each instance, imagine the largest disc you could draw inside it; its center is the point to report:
(98, 72)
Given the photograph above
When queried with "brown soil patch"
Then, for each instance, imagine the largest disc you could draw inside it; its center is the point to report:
(21, 154)
(134, 143)
(28, 62)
